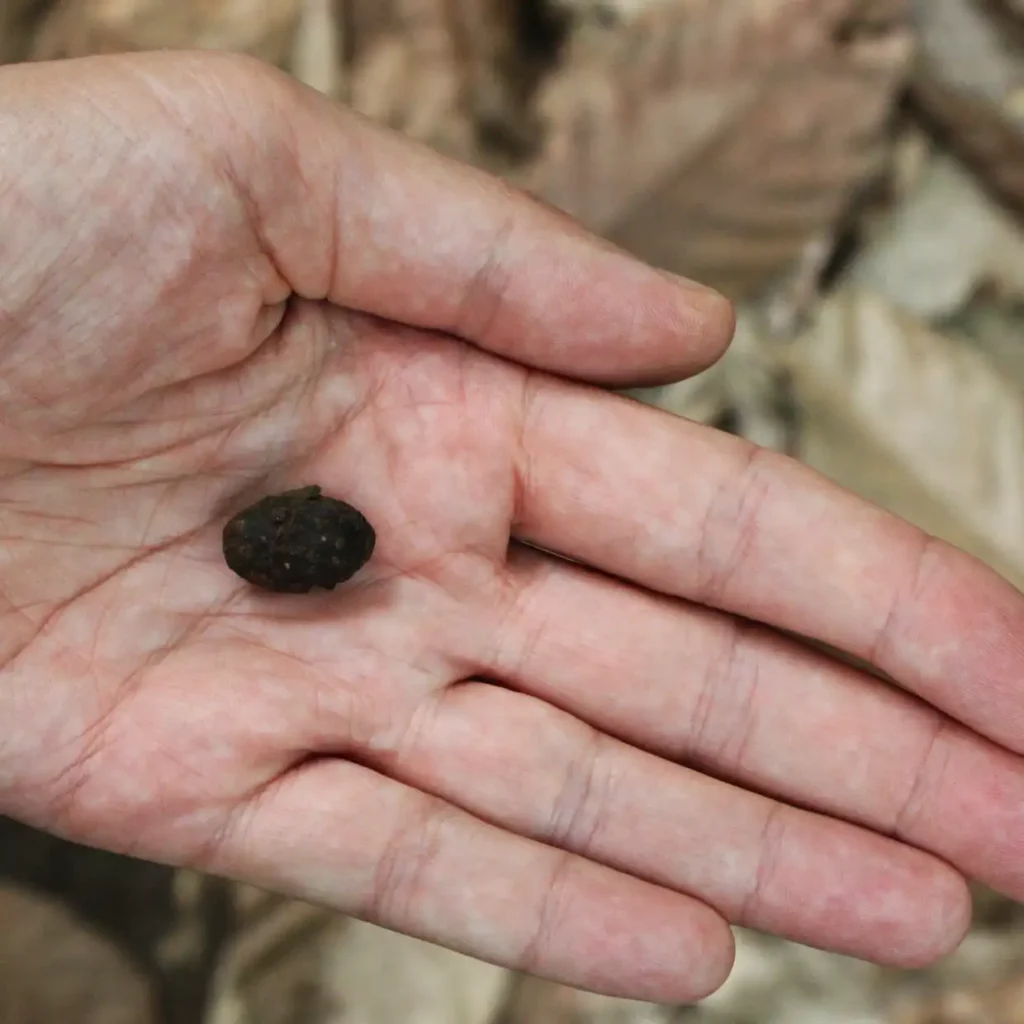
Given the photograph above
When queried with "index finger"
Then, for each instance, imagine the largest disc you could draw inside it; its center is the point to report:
(402, 232)
(698, 514)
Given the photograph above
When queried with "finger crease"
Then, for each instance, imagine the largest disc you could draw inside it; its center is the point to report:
(927, 771)
(769, 854)
(484, 294)
(533, 954)
(729, 527)
(402, 866)
(884, 636)
(576, 817)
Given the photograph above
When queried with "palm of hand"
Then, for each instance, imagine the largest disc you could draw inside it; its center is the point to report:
(179, 699)
(180, 696)
(195, 690)
(473, 740)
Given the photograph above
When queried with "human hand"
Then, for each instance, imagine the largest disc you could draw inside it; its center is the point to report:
(215, 284)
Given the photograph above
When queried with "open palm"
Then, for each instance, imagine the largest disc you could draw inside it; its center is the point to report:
(553, 722)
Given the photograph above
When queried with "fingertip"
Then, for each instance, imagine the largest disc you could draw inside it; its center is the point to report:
(720, 959)
(945, 919)
(684, 961)
(690, 329)
(675, 950)
(718, 317)
(621, 936)
(427, 241)
(917, 922)
(712, 322)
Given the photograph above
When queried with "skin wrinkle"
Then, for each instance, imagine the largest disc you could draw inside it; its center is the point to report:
(26, 393)
(78, 296)
(318, 287)
(251, 207)
(84, 352)
(529, 398)
(428, 682)
(64, 790)
(392, 466)
(387, 741)
(484, 292)
(226, 815)
(358, 728)
(55, 516)
(409, 740)
(333, 254)
(905, 818)
(902, 594)
(215, 157)
(406, 861)
(698, 742)
(535, 951)
(576, 816)
(20, 317)
(732, 512)
(351, 732)
(234, 819)
(271, 401)
(231, 828)
(152, 394)
(179, 447)
(362, 209)
(14, 645)
(732, 748)
(746, 913)
(709, 752)
(302, 393)
(93, 740)
(511, 629)
(10, 659)
(11, 327)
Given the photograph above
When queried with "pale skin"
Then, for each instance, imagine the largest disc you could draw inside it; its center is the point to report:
(215, 284)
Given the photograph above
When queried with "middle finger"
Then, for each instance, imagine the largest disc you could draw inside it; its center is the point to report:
(528, 767)
(758, 708)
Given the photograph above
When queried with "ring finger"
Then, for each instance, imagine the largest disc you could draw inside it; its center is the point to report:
(515, 759)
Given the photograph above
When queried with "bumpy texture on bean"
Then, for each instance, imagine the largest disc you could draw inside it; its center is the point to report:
(298, 540)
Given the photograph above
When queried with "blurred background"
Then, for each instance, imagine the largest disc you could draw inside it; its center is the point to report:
(851, 173)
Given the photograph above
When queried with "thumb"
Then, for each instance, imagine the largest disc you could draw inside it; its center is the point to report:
(372, 221)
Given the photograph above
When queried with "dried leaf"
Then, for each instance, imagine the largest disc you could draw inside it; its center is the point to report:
(997, 329)
(534, 1001)
(18, 22)
(703, 398)
(717, 138)
(941, 245)
(403, 69)
(984, 1003)
(53, 969)
(741, 387)
(270, 971)
(380, 977)
(1014, 7)
(263, 28)
(316, 56)
(970, 79)
(777, 982)
(926, 427)
(714, 138)
(457, 74)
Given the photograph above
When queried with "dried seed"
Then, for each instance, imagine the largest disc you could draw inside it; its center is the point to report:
(298, 540)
